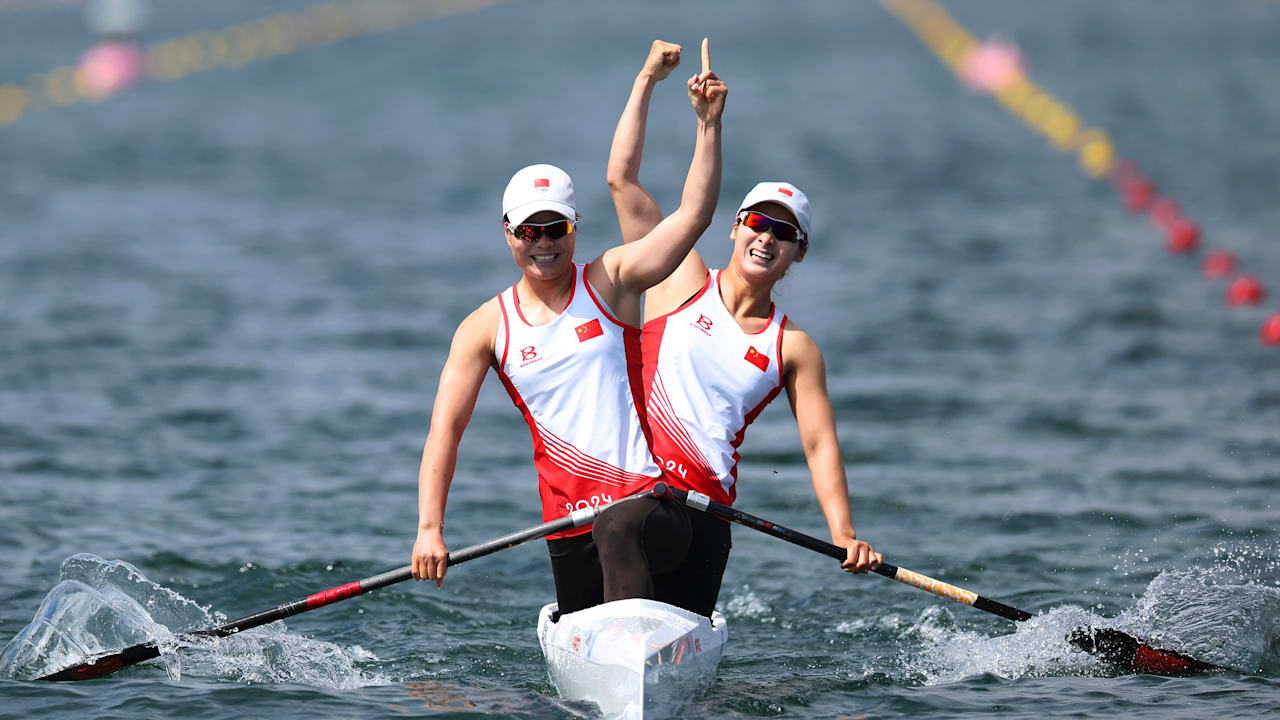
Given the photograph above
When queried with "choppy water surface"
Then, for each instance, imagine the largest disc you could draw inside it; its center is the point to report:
(226, 301)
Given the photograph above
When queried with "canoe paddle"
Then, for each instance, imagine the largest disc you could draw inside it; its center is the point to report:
(107, 664)
(1111, 645)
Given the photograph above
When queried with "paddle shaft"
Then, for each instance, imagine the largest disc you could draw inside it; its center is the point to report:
(145, 651)
(893, 572)
(1114, 646)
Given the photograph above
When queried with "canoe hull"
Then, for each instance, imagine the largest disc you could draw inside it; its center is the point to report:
(633, 658)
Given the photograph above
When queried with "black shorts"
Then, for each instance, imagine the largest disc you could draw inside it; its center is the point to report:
(575, 565)
(652, 548)
(664, 551)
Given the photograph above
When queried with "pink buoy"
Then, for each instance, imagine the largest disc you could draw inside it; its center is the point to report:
(110, 67)
(991, 66)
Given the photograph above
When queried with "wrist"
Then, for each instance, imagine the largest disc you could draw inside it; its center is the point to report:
(844, 533)
(427, 526)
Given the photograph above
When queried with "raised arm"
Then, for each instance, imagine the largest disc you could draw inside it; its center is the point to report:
(638, 212)
(469, 358)
(628, 270)
(805, 377)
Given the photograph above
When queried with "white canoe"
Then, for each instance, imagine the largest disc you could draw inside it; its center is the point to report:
(633, 658)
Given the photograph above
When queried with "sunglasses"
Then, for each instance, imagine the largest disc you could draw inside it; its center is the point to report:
(530, 232)
(780, 229)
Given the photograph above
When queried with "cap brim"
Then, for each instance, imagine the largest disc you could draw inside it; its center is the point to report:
(520, 213)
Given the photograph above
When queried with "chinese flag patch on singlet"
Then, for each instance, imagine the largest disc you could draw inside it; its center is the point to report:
(755, 358)
(588, 330)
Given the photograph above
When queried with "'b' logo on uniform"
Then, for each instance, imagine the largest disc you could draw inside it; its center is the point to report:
(703, 323)
(528, 353)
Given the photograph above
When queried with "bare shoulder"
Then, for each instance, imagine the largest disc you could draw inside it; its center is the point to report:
(480, 327)
(799, 351)
(602, 272)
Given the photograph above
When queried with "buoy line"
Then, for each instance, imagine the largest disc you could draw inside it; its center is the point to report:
(231, 47)
(995, 68)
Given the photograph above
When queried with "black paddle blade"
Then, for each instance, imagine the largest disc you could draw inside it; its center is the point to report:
(106, 664)
(1134, 655)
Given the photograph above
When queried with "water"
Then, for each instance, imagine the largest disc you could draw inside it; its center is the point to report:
(226, 301)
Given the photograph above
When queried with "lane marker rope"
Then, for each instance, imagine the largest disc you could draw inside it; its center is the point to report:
(229, 48)
(994, 68)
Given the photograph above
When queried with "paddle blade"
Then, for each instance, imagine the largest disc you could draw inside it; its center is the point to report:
(106, 664)
(1134, 655)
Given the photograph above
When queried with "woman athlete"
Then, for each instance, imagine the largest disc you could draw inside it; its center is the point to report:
(564, 340)
(716, 351)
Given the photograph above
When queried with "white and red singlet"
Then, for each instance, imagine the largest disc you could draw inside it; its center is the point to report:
(705, 380)
(576, 381)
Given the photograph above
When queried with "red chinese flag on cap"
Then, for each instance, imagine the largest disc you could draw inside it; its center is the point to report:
(588, 330)
(786, 192)
(755, 358)
(542, 182)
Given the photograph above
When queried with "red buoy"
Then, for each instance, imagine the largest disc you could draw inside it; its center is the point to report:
(1165, 213)
(1122, 173)
(1271, 330)
(1218, 263)
(1138, 194)
(1245, 290)
(1182, 237)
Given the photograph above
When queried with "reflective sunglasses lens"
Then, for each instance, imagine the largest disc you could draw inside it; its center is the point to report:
(554, 230)
(557, 229)
(785, 233)
(760, 223)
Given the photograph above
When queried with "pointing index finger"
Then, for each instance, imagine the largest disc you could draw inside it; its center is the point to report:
(706, 57)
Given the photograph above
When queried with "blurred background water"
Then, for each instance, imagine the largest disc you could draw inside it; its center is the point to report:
(226, 300)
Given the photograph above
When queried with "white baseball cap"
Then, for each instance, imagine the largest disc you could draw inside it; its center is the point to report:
(785, 194)
(537, 188)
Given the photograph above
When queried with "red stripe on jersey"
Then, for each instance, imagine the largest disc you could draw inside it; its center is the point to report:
(635, 379)
(742, 432)
(666, 417)
(574, 460)
(782, 328)
(661, 424)
(506, 331)
(550, 510)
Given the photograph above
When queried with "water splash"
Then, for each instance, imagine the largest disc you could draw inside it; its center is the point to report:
(747, 605)
(1036, 648)
(1227, 614)
(102, 606)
